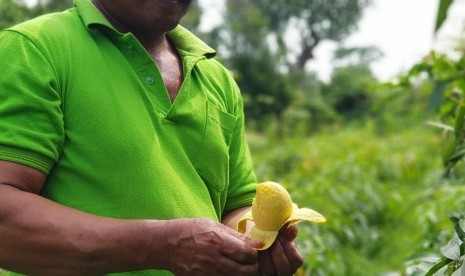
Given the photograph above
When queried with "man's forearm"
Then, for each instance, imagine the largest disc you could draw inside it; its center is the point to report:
(231, 218)
(40, 237)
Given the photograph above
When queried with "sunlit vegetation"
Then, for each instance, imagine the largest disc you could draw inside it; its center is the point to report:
(382, 194)
(383, 162)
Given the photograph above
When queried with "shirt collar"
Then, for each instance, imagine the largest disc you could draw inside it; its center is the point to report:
(91, 15)
(190, 44)
(186, 42)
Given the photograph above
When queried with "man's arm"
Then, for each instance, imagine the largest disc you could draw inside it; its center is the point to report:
(41, 237)
(231, 218)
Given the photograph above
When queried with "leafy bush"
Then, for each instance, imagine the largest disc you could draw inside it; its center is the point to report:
(383, 195)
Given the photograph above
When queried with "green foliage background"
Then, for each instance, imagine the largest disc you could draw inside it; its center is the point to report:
(357, 150)
(382, 194)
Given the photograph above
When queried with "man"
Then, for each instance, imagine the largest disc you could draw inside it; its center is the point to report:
(122, 149)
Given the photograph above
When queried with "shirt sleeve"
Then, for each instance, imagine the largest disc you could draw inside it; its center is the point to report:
(242, 182)
(31, 118)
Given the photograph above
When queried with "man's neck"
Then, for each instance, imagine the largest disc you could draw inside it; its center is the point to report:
(154, 41)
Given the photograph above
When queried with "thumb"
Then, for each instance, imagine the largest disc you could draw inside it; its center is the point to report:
(253, 243)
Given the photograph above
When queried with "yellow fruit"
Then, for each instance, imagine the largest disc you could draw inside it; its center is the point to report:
(271, 206)
(272, 209)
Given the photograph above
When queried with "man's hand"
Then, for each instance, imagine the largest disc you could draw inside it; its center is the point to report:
(282, 258)
(204, 247)
(95, 245)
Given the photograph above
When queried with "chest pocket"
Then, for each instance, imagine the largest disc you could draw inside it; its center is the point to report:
(213, 159)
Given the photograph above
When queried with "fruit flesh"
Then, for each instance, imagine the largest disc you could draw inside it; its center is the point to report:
(271, 206)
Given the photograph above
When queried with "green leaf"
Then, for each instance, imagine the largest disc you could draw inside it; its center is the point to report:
(442, 13)
(437, 96)
(458, 228)
(460, 122)
(442, 263)
(458, 154)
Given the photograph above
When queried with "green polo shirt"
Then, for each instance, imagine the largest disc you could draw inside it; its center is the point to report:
(86, 105)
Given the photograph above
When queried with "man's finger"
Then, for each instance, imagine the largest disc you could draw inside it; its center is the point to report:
(293, 256)
(266, 263)
(231, 267)
(280, 261)
(290, 233)
(239, 248)
(253, 243)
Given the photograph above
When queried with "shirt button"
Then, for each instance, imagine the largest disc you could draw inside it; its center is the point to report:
(149, 80)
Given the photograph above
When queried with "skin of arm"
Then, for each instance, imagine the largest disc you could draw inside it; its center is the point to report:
(231, 218)
(41, 237)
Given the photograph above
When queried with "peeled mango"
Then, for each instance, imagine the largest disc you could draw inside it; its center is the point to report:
(272, 210)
